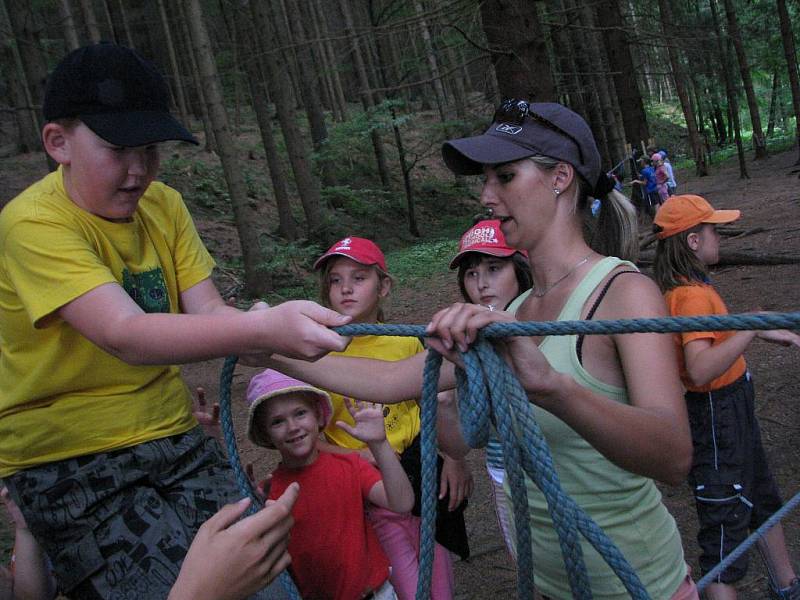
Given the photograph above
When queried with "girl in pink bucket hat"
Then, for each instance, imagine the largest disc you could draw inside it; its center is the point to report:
(335, 552)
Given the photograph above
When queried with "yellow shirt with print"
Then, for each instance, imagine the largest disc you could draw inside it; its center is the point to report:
(60, 395)
(401, 419)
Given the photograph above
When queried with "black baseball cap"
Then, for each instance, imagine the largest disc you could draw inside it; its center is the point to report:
(118, 94)
(521, 129)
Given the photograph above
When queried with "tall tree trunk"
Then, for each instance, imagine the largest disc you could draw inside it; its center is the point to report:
(126, 27)
(277, 174)
(68, 25)
(257, 282)
(600, 83)
(519, 53)
(773, 104)
(460, 99)
(90, 19)
(791, 63)
(173, 61)
(730, 91)
(306, 73)
(587, 89)
(307, 185)
(669, 28)
(327, 44)
(759, 142)
(110, 22)
(433, 62)
(366, 93)
(618, 46)
(30, 64)
(208, 128)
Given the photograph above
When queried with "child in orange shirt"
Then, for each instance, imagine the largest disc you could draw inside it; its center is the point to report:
(733, 487)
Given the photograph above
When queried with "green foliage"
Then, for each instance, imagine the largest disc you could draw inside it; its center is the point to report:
(201, 184)
(290, 266)
(361, 204)
(413, 265)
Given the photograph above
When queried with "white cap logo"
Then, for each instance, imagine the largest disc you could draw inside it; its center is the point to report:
(479, 235)
(509, 129)
(343, 245)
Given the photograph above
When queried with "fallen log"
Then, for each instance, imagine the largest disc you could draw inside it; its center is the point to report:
(728, 259)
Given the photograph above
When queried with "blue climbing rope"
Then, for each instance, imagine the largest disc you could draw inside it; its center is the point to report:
(489, 392)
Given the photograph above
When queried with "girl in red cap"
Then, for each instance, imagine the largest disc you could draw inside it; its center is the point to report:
(492, 274)
(355, 282)
(733, 486)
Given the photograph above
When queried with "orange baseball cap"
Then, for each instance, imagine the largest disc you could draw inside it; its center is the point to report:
(680, 213)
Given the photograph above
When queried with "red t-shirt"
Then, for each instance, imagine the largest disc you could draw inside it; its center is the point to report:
(699, 300)
(335, 552)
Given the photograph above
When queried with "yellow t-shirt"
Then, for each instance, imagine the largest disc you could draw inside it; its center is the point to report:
(60, 395)
(401, 419)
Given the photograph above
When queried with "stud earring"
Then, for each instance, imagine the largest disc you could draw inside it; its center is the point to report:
(556, 191)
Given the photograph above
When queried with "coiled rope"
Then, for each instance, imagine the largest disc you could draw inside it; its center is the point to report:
(489, 391)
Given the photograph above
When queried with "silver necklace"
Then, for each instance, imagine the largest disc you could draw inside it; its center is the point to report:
(537, 294)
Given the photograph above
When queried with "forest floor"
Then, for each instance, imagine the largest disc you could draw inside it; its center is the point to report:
(769, 200)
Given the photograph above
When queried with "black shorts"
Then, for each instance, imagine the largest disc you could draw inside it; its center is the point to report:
(118, 524)
(733, 486)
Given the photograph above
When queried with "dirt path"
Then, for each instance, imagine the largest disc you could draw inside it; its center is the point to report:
(771, 199)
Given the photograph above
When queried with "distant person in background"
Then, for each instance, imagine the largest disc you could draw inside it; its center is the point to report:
(661, 177)
(672, 185)
(647, 180)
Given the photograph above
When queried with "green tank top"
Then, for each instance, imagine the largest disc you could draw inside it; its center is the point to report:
(626, 506)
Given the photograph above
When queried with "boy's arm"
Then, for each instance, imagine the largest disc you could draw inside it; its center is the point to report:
(395, 491)
(109, 317)
(706, 361)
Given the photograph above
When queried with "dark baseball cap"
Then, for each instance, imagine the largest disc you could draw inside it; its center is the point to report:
(521, 129)
(118, 94)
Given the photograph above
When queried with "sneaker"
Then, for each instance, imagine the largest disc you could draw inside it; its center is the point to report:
(789, 593)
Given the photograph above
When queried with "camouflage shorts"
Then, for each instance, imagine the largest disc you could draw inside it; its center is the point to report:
(118, 524)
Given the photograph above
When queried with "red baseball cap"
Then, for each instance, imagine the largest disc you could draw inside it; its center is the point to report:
(680, 213)
(361, 250)
(485, 237)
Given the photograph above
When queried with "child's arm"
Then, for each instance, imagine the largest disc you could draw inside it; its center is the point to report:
(448, 426)
(109, 317)
(383, 381)
(32, 578)
(394, 491)
(705, 362)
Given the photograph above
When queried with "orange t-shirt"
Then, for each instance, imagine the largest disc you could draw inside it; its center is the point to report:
(697, 300)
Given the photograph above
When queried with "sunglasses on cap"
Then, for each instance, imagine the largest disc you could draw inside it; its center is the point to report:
(515, 111)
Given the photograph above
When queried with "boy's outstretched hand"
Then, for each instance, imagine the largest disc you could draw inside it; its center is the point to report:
(302, 330)
(368, 418)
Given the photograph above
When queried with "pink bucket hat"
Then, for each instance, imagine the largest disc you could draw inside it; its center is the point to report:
(271, 384)
(485, 237)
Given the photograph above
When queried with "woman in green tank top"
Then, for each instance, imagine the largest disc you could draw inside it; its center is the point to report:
(610, 406)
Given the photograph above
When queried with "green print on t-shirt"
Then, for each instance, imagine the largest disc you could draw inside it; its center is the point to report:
(147, 289)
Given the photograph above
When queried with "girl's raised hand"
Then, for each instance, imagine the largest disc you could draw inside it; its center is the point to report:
(368, 419)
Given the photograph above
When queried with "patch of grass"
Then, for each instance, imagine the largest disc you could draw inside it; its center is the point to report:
(419, 262)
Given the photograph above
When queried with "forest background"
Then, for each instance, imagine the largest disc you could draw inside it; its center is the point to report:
(324, 118)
